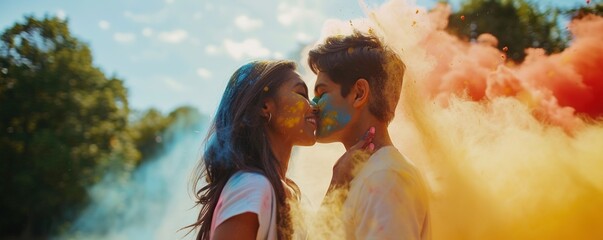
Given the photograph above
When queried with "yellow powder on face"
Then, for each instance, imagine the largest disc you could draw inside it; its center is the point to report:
(297, 114)
(298, 108)
(288, 122)
(329, 119)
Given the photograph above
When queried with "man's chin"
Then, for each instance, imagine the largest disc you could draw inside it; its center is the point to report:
(328, 136)
(325, 139)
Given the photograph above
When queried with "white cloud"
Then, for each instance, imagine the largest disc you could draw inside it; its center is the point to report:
(198, 15)
(278, 55)
(104, 25)
(303, 37)
(204, 73)
(136, 17)
(147, 32)
(156, 17)
(173, 84)
(61, 14)
(246, 23)
(175, 36)
(250, 47)
(124, 37)
(209, 6)
(288, 14)
(194, 41)
(169, 1)
(211, 50)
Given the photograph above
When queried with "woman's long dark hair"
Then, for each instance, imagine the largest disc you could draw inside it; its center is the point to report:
(237, 141)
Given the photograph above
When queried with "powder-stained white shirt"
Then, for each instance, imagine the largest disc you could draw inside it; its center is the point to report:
(388, 199)
(248, 192)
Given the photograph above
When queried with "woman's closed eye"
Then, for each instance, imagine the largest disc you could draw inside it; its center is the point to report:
(303, 94)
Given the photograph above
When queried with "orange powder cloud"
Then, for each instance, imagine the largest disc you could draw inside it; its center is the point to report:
(491, 137)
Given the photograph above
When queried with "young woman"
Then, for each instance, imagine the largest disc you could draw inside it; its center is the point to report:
(263, 113)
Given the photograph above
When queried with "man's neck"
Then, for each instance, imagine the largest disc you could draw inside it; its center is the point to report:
(359, 130)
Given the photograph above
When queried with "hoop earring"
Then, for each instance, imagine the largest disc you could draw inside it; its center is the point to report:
(269, 117)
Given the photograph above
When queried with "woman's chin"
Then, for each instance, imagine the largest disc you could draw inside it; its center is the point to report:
(307, 142)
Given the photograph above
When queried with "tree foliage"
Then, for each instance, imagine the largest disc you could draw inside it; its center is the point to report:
(151, 130)
(518, 24)
(581, 11)
(63, 123)
(147, 131)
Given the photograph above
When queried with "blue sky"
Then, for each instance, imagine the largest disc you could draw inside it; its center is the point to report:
(182, 52)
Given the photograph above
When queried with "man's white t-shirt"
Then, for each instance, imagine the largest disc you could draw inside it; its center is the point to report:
(388, 199)
(247, 192)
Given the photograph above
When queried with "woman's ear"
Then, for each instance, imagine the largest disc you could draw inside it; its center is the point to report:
(361, 93)
(268, 107)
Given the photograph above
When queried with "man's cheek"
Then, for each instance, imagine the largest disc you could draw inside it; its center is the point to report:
(332, 118)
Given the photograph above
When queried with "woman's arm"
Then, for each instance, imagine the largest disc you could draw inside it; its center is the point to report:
(343, 170)
(243, 226)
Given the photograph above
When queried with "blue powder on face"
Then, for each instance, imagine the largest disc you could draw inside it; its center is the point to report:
(331, 118)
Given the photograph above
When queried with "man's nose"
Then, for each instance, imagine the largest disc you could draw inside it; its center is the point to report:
(314, 107)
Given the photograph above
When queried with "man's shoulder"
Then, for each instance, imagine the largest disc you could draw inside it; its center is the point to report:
(388, 159)
(387, 169)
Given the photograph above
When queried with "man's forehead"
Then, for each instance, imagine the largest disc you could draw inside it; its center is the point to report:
(323, 79)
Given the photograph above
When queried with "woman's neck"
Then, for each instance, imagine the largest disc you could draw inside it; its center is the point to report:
(282, 151)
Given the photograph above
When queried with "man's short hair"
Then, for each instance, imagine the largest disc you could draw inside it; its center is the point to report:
(345, 59)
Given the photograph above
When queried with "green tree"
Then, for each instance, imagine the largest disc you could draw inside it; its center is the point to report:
(151, 130)
(63, 123)
(518, 24)
(581, 11)
(147, 132)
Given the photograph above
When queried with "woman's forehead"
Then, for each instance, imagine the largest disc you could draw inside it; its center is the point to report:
(293, 79)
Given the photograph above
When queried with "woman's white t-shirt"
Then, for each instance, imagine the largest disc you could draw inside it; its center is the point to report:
(247, 192)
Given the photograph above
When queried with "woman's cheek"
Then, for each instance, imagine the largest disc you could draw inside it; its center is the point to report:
(292, 114)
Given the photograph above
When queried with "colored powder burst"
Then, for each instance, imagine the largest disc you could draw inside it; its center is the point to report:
(573, 84)
(509, 151)
(244, 71)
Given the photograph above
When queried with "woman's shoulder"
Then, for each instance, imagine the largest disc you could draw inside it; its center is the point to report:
(248, 180)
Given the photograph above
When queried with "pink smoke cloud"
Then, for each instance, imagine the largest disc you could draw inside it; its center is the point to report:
(562, 89)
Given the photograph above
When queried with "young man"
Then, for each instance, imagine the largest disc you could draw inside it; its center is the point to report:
(358, 86)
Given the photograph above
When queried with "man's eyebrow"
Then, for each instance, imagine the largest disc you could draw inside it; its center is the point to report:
(320, 85)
